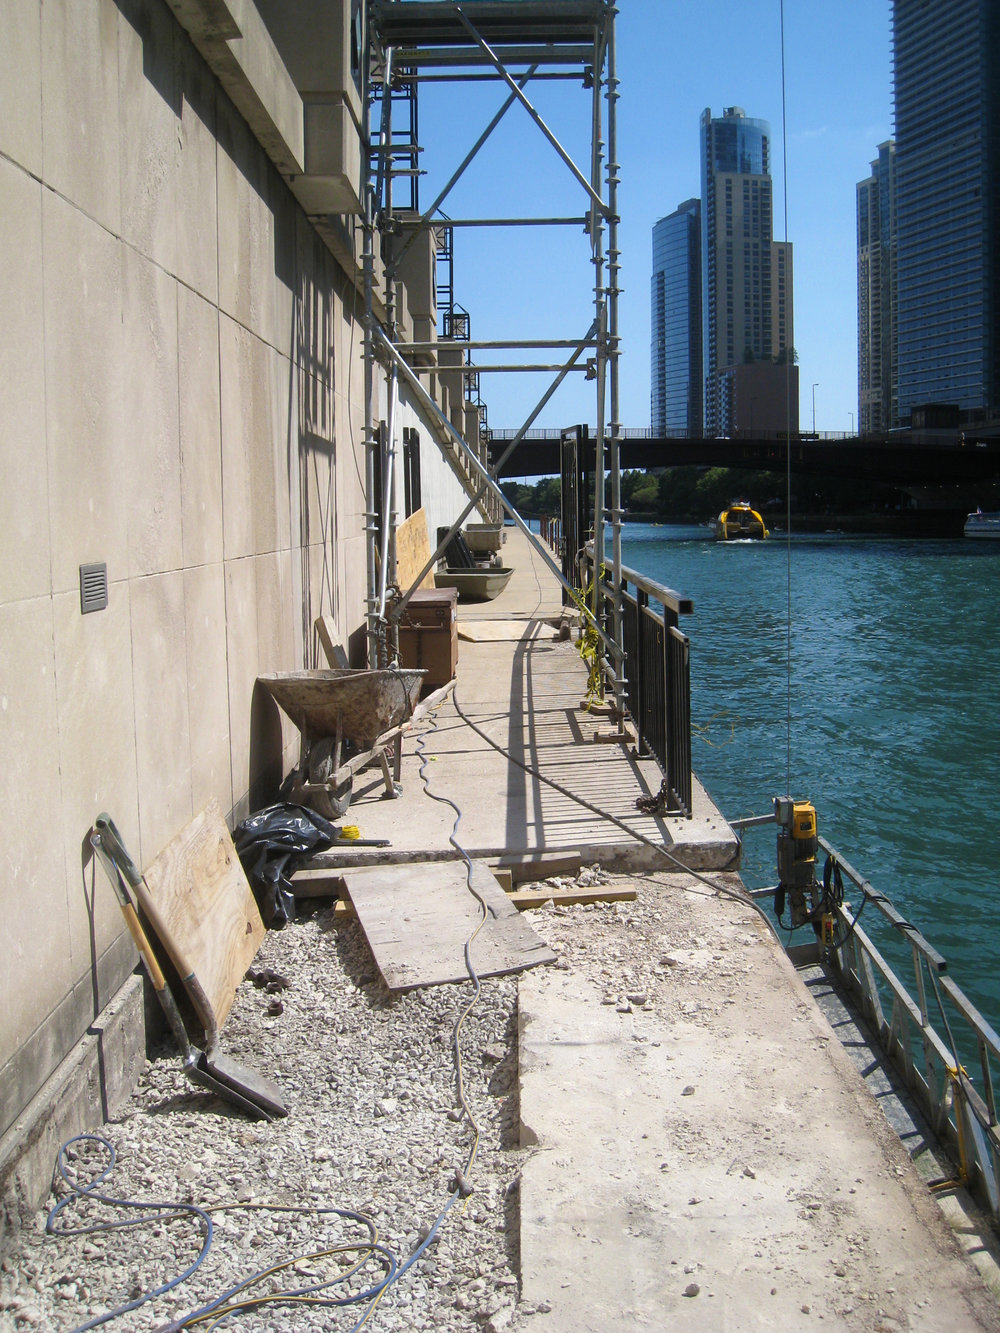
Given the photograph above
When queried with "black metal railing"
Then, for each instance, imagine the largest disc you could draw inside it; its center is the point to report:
(656, 674)
(945, 1052)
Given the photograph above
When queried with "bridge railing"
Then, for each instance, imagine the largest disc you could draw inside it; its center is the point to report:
(657, 670)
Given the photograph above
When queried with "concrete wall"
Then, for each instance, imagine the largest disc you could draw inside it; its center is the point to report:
(182, 398)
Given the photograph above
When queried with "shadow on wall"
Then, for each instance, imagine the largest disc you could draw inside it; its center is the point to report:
(266, 767)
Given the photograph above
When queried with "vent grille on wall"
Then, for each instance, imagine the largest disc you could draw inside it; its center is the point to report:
(93, 588)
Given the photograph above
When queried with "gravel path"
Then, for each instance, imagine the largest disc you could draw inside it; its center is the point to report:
(374, 1127)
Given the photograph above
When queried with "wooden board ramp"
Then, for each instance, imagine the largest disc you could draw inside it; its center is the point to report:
(203, 911)
(417, 918)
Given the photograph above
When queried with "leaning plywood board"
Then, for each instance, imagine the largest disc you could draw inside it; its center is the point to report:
(417, 919)
(413, 551)
(203, 910)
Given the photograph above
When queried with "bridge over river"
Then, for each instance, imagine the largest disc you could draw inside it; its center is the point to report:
(939, 470)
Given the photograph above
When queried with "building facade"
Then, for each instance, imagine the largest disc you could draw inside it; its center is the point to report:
(676, 315)
(746, 277)
(946, 79)
(878, 390)
(184, 307)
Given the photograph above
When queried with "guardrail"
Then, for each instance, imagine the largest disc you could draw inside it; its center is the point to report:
(962, 1116)
(925, 1038)
(657, 667)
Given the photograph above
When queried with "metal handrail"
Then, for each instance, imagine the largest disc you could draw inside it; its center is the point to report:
(655, 680)
(919, 1044)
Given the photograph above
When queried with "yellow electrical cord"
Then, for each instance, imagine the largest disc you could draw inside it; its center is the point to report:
(589, 644)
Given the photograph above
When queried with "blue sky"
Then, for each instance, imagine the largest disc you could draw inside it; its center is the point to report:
(674, 60)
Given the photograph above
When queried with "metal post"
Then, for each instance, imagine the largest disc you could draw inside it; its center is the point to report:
(614, 353)
(601, 317)
(370, 439)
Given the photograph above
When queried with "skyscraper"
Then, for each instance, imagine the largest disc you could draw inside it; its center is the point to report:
(878, 407)
(746, 281)
(946, 80)
(676, 376)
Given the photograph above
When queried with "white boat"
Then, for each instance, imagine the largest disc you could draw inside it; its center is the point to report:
(983, 525)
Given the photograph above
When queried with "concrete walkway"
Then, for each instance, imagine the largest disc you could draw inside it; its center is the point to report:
(708, 1159)
(518, 692)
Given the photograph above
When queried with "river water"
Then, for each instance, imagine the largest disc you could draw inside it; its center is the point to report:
(884, 655)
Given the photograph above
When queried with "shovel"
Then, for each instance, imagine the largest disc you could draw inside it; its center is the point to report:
(255, 1095)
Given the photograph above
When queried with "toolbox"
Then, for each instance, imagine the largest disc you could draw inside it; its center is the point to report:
(428, 635)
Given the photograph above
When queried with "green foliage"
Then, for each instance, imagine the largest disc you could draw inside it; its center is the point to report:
(695, 494)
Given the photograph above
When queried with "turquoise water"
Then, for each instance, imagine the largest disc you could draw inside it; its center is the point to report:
(894, 703)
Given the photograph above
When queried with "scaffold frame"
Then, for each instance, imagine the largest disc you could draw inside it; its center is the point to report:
(512, 43)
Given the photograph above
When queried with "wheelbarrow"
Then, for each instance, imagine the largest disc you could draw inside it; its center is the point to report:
(348, 719)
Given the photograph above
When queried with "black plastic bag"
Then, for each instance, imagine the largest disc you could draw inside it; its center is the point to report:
(270, 845)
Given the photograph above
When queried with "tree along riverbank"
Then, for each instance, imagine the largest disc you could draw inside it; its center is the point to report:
(695, 495)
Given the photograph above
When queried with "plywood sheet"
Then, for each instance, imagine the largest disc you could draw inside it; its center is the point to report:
(413, 550)
(417, 919)
(203, 911)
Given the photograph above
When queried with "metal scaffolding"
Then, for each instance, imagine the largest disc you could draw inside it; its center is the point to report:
(513, 43)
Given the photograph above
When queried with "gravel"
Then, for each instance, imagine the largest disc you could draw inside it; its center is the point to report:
(375, 1127)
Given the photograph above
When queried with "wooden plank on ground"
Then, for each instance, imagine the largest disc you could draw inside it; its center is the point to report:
(418, 917)
(524, 866)
(525, 898)
(318, 882)
(202, 909)
(413, 550)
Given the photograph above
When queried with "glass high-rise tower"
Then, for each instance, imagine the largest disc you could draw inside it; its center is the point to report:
(676, 378)
(946, 76)
(878, 407)
(746, 278)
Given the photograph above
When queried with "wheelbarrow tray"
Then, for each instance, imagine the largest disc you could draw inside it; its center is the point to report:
(358, 706)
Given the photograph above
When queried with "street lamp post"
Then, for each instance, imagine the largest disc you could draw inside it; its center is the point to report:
(815, 387)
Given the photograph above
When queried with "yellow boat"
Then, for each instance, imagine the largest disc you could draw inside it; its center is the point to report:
(739, 522)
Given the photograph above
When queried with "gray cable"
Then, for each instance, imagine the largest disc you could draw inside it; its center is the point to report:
(613, 819)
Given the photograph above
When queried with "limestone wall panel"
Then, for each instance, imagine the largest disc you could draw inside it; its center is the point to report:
(148, 145)
(151, 444)
(80, 106)
(162, 732)
(24, 500)
(20, 85)
(196, 216)
(242, 657)
(242, 398)
(207, 683)
(199, 427)
(83, 394)
(35, 964)
(96, 757)
(256, 237)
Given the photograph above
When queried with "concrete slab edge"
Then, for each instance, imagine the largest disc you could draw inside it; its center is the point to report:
(90, 1086)
(618, 857)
